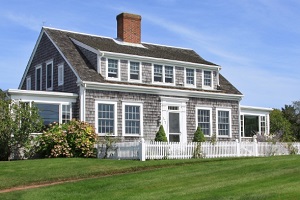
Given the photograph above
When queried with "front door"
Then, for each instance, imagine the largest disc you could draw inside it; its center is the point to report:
(174, 118)
(174, 127)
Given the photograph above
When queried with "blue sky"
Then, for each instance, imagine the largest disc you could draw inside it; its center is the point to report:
(257, 42)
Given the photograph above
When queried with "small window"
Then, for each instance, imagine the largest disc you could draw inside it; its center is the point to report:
(169, 74)
(28, 83)
(158, 73)
(207, 79)
(60, 74)
(38, 78)
(223, 123)
(263, 125)
(134, 70)
(66, 113)
(173, 108)
(190, 76)
(49, 75)
(112, 68)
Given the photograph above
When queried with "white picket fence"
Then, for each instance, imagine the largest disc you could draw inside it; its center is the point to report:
(148, 150)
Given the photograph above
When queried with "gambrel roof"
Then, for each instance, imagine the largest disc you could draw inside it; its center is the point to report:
(64, 41)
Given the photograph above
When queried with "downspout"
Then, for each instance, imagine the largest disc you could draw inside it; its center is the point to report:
(82, 101)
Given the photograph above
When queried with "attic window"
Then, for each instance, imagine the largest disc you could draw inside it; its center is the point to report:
(49, 75)
(113, 68)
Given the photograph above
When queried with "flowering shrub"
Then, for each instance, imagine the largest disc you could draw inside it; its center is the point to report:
(72, 139)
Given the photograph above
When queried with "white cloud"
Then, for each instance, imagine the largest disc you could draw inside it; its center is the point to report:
(26, 21)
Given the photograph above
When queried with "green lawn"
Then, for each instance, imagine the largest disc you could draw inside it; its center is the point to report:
(246, 178)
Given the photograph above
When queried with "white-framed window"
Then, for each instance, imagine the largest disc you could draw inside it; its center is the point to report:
(113, 69)
(204, 120)
(190, 77)
(252, 124)
(223, 122)
(54, 112)
(134, 71)
(158, 73)
(28, 83)
(38, 77)
(132, 119)
(163, 74)
(60, 74)
(106, 117)
(49, 75)
(207, 79)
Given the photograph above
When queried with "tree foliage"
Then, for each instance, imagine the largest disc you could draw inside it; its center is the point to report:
(161, 135)
(280, 126)
(72, 139)
(292, 114)
(198, 135)
(17, 121)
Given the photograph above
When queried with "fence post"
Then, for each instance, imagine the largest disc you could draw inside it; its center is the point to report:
(238, 148)
(142, 150)
(255, 146)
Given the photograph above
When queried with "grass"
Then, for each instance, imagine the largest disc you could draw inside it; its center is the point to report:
(247, 178)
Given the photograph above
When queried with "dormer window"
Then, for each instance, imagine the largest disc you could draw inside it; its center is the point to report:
(112, 68)
(134, 71)
(169, 74)
(158, 73)
(207, 79)
(163, 74)
(190, 77)
(49, 75)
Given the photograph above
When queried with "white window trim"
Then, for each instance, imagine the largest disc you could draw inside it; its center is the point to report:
(60, 74)
(163, 75)
(217, 122)
(259, 123)
(212, 80)
(140, 72)
(210, 116)
(115, 115)
(141, 119)
(28, 83)
(47, 63)
(60, 104)
(185, 78)
(119, 66)
(38, 67)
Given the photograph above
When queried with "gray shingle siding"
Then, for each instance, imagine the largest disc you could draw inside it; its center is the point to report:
(152, 111)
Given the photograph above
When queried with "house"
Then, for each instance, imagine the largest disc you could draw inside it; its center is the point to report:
(128, 88)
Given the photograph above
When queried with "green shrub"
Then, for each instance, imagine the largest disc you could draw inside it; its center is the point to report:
(72, 139)
(161, 135)
(198, 135)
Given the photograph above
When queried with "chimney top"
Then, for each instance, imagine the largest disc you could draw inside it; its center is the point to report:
(129, 27)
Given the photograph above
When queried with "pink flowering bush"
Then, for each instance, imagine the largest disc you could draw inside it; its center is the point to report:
(72, 139)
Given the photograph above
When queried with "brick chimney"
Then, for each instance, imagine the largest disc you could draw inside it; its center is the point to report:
(129, 27)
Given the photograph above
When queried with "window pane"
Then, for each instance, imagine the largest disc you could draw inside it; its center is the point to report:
(106, 118)
(113, 68)
(66, 113)
(168, 74)
(174, 123)
(204, 121)
(48, 112)
(207, 78)
(134, 70)
(251, 125)
(190, 76)
(49, 75)
(158, 73)
(38, 78)
(132, 119)
(223, 123)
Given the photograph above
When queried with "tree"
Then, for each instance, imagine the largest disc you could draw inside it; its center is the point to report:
(280, 126)
(161, 135)
(292, 114)
(17, 121)
(198, 135)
